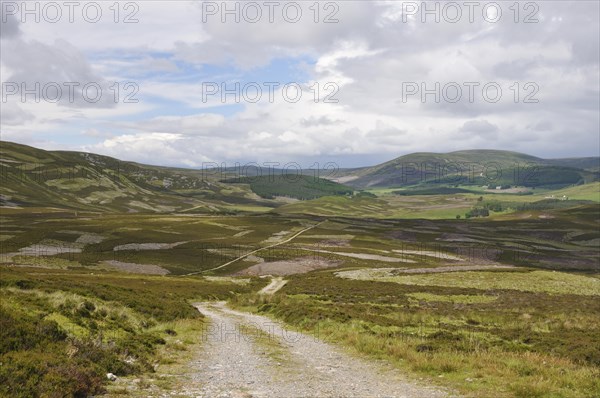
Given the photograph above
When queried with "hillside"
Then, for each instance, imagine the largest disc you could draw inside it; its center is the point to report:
(474, 167)
(82, 181)
(297, 187)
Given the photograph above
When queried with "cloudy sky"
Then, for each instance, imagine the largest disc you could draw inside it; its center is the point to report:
(351, 82)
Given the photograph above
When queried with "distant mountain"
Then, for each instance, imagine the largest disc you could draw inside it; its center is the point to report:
(33, 177)
(474, 167)
(589, 164)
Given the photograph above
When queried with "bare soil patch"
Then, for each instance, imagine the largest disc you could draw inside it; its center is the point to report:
(366, 256)
(429, 253)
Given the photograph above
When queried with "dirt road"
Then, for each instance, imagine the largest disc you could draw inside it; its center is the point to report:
(273, 286)
(247, 355)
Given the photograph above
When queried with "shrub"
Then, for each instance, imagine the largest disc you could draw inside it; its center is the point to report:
(477, 212)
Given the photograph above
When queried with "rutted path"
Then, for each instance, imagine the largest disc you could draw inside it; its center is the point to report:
(237, 363)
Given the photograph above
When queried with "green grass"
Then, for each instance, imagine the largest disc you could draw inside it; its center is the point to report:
(589, 191)
(501, 343)
(248, 208)
(431, 191)
(535, 281)
(386, 206)
(435, 205)
(455, 298)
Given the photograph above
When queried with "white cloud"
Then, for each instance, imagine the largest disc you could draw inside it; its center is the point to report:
(11, 114)
(200, 124)
(371, 54)
(481, 128)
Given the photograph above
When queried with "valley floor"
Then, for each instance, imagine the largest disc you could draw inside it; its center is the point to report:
(477, 308)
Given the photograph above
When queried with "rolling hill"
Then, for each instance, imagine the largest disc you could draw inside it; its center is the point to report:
(474, 167)
(33, 177)
(83, 181)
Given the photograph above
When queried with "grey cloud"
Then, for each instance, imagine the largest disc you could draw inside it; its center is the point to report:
(9, 25)
(544, 125)
(480, 128)
(517, 69)
(384, 134)
(314, 121)
(248, 45)
(58, 64)
(12, 115)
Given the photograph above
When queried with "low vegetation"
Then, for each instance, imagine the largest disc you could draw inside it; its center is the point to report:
(62, 332)
(482, 340)
(534, 281)
(431, 191)
(292, 186)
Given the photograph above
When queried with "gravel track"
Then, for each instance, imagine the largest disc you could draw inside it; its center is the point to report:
(273, 286)
(235, 363)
